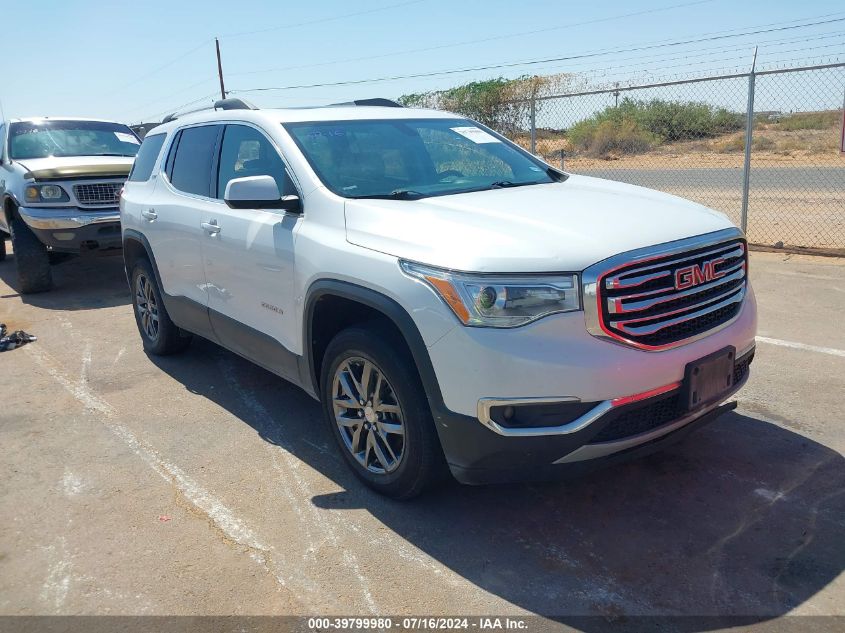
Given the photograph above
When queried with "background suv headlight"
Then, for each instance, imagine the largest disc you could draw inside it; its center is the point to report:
(45, 193)
(500, 300)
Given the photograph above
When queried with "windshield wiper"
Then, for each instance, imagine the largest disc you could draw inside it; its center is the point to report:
(503, 184)
(113, 154)
(396, 194)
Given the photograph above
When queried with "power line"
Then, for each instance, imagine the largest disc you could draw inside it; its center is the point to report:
(159, 68)
(455, 71)
(478, 41)
(275, 28)
(739, 59)
(694, 53)
(158, 115)
(169, 95)
(326, 19)
(507, 36)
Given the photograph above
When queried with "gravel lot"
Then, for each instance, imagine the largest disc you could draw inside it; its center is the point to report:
(201, 484)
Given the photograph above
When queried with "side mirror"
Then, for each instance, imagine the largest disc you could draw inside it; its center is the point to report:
(259, 192)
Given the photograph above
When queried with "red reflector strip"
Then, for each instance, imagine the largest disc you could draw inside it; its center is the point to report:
(618, 402)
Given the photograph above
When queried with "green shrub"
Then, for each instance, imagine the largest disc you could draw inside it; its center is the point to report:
(608, 137)
(809, 121)
(762, 143)
(732, 144)
(642, 124)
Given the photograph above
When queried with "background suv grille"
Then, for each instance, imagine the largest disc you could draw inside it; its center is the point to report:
(98, 194)
(664, 301)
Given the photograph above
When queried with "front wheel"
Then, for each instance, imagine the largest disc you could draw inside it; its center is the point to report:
(31, 259)
(2, 247)
(374, 402)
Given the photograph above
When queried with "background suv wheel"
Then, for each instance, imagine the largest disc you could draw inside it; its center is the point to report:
(376, 408)
(31, 259)
(159, 334)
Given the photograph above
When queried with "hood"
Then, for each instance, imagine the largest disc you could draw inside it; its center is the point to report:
(560, 227)
(76, 166)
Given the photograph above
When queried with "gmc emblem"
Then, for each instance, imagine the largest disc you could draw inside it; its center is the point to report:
(690, 276)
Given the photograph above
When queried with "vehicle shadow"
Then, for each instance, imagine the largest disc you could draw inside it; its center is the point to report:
(743, 518)
(87, 282)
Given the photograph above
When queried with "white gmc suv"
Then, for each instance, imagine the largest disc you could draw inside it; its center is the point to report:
(454, 303)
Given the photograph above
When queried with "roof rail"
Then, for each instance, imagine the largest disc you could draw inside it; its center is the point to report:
(231, 103)
(376, 101)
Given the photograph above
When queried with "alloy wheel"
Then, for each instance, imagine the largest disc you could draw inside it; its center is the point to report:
(145, 302)
(368, 415)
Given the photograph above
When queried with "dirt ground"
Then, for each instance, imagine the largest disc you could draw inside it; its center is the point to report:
(201, 484)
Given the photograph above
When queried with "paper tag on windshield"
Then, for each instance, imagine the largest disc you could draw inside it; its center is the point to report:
(123, 137)
(476, 135)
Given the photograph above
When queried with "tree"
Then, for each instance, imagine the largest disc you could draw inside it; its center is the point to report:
(501, 104)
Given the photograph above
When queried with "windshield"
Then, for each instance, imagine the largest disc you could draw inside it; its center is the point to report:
(413, 158)
(44, 138)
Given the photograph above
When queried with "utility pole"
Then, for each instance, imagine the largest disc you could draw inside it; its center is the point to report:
(220, 69)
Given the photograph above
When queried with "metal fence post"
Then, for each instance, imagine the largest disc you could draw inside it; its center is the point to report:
(749, 132)
(533, 125)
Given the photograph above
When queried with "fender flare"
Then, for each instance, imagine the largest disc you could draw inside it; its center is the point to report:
(133, 235)
(9, 197)
(390, 309)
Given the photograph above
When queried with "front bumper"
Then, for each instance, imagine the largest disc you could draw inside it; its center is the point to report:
(606, 434)
(70, 229)
(557, 360)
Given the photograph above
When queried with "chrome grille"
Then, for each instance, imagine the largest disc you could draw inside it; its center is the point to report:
(98, 193)
(664, 301)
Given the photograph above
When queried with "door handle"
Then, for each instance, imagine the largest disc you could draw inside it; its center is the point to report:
(211, 227)
(149, 214)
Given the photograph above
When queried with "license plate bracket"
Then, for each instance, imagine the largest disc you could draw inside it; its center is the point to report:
(708, 379)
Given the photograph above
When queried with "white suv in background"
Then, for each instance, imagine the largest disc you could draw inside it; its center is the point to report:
(452, 301)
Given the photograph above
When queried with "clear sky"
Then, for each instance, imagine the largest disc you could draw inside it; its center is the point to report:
(134, 61)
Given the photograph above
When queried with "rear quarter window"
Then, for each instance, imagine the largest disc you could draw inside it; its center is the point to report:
(142, 169)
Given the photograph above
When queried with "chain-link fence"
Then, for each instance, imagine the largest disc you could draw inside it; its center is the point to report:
(689, 138)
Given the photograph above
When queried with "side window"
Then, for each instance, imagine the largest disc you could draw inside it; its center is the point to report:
(191, 170)
(171, 154)
(247, 152)
(142, 169)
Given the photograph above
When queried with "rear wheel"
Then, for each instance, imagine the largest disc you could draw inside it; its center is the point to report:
(374, 402)
(31, 259)
(159, 334)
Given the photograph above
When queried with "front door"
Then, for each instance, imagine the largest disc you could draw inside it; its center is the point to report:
(248, 255)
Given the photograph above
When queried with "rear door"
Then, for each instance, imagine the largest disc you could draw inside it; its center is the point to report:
(173, 223)
(249, 259)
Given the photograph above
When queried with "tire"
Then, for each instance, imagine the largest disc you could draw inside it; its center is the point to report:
(398, 465)
(31, 259)
(58, 258)
(2, 247)
(159, 335)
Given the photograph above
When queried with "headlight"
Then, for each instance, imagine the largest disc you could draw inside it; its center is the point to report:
(500, 300)
(45, 193)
